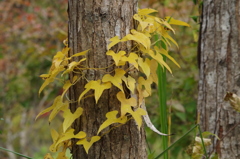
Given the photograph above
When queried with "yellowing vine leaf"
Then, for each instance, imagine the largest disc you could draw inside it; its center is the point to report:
(161, 21)
(121, 97)
(164, 52)
(146, 11)
(69, 117)
(145, 65)
(142, 23)
(129, 102)
(58, 105)
(48, 156)
(55, 108)
(131, 59)
(58, 59)
(114, 41)
(72, 66)
(173, 21)
(130, 83)
(146, 83)
(116, 80)
(141, 94)
(97, 86)
(55, 137)
(87, 144)
(159, 59)
(51, 77)
(67, 85)
(69, 134)
(139, 38)
(111, 118)
(117, 57)
(62, 155)
(137, 114)
(79, 54)
(167, 36)
(153, 68)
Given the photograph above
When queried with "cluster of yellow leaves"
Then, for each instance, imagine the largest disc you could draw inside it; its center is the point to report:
(145, 59)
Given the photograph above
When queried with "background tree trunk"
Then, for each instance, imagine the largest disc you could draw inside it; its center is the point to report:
(220, 72)
(91, 24)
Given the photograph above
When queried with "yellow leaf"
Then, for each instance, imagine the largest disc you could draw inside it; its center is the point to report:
(114, 41)
(116, 56)
(139, 38)
(48, 156)
(173, 21)
(145, 65)
(142, 23)
(164, 52)
(62, 155)
(65, 136)
(55, 137)
(73, 65)
(66, 86)
(87, 144)
(57, 106)
(166, 36)
(69, 134)
(79, 54)
(65, 51)
(165, 24)
(97, 86)
(141, 94)
(58, 59)
(146, 83)
(159, 59)
(130, 83)
(153, 68)
(44, 111)
(69, 117)
(44, 76)
(131, 59)
(146, 11)
(51, 78)
(137, 114)
(129, 102)
(116, 80)
(111, 118)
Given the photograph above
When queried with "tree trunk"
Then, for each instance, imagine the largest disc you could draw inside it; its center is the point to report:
(220, 72)
(91, 24)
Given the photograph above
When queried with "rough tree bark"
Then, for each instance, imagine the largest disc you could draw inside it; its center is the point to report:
(220, 72)
(91, 24)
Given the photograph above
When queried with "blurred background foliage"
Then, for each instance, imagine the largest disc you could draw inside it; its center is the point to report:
(30, 34)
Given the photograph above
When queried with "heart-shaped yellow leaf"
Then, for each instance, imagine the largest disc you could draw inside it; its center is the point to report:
(69, 117)
(116, 80)
(87, 144)
(130, 83)
(97, 86)
(111, 118)
(145, 65)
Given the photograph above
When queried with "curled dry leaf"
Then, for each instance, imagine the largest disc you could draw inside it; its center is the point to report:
(234, 100)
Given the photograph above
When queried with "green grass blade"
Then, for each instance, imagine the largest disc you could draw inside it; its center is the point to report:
(162, 82)
(16, 153)
(176, 141)
(204, 148)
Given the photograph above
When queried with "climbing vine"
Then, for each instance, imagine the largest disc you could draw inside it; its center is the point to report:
(144, 58)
